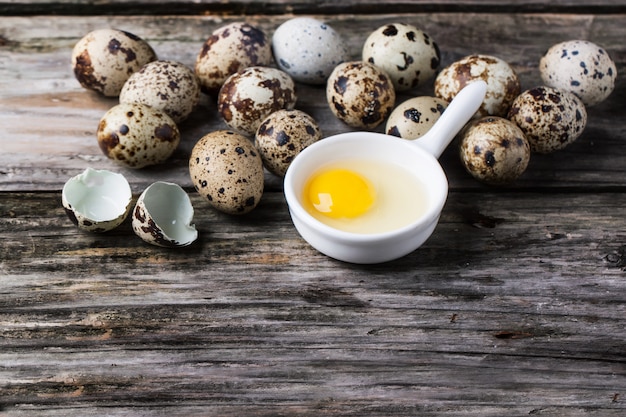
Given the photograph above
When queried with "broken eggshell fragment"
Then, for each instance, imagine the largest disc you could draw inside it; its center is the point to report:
(97, 200)
(163, 214)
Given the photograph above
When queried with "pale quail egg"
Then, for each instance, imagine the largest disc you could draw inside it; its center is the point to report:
(360, 94)
(308, 49)
(580, 67)
(169, 86)
(229, 49)
(494, 150)
(226, 169)
(282, 135)
(162, 216)
(415, 116)
(249, 96)
(97, 200)
(550, 118)
(104, 59)
(136, 135)
(408, 55)
(502, 82)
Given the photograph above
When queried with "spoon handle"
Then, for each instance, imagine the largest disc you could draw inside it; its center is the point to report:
(457, 114)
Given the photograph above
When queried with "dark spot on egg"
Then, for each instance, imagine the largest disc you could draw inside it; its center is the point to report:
(123, 129)
(413, 115)
(165, 133)
(490, 158)
(390, 30)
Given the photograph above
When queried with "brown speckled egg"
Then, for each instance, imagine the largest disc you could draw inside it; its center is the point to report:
(227, 170)
(408, 55)
(494, 150)
(169, 86)
(230, 49)
(415, 116)
(104, 59)
(360, 94)
(249, 96)
(136, 135)
(580, 67)
(282, 135)
(550, 118)
(502, 82)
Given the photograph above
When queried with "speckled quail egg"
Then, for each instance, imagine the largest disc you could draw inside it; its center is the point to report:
(502, 82)
(360, 94)
(229, 49)
(226, 169)
(162, 216)
(249, 96)
(494, 150)
(282, 136)
(408, 55)
(580, 67)
(308, 49)
(136, 135)
(169, 86)
(104, 59)
(97, 200)
(415, 116)
(550, 118)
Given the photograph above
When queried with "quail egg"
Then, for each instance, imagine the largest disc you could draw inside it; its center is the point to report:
(169, 86)
(580, 67)
(229, 49)
(408, 55)
(282, 135)
(415, 116)
(308, 49)
(97, 200)
(136, 135)
(360, 94)
(503, 85)
(249, 96)
(550, 118)
(226, 169)
(104, 59)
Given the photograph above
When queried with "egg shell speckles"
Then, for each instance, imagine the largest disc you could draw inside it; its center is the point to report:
(103, 59)
(137, 136)
(249, 96)
(503, 85)
(226, 169)
(229, 49)
(282, 136)
(550, 118)
(360, 94)
(308, 49)
(164, 85)
(415, 116)
(408, 55)
(580, 67)
(494, 150)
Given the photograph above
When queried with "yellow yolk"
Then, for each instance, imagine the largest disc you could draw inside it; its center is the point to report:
(340, 193)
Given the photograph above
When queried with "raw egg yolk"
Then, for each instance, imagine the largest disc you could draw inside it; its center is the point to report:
(340, 193)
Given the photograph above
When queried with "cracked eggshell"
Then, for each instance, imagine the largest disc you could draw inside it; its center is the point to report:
(282, 136)
(360, 94)
(415, 116)
(226, 169)
(494, 150)
(230, 49)
(308, 49)
(97, 200)
(408, 55)
(550, 118)
(136, 135)
(162, 216)
(105, 58)
(580, 67)
(249, 96)
(503, 85)
(169, 86)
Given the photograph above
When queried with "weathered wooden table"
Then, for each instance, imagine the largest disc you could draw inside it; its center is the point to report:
(515, 306)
